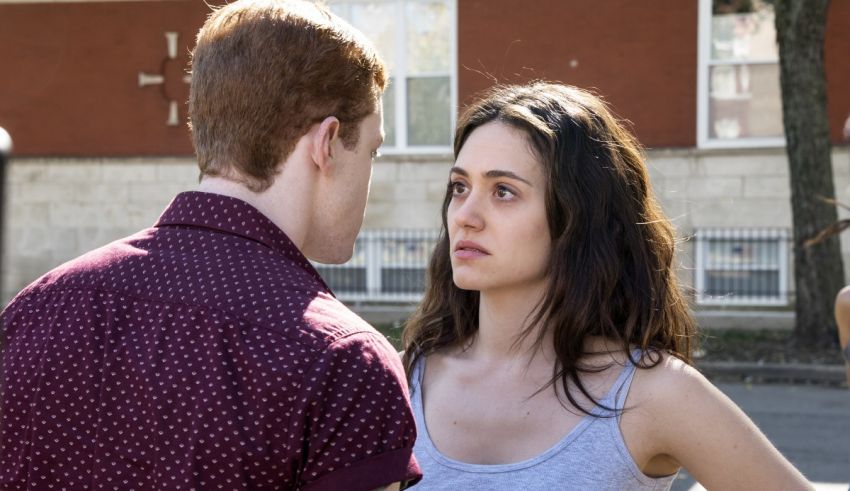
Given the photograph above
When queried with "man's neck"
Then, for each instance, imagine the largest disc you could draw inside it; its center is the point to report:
(284, 209)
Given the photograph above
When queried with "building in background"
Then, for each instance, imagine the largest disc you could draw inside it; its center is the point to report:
(94, 95)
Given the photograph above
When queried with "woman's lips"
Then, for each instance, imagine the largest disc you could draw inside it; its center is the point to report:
(469, 250)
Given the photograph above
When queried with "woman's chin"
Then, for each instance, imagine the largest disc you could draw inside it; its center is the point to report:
(464, 282)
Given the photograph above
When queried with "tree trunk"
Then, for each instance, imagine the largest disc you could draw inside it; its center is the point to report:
(818, 270)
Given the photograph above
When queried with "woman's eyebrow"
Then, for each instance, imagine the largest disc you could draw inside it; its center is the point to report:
(505, 173)
(492, 174)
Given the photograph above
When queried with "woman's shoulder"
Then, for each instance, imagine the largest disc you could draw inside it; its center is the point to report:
(669, 396)
(665, 379)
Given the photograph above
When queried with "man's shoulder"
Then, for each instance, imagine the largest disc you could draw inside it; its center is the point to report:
(334, 326)
(250, 286)
(84, 272)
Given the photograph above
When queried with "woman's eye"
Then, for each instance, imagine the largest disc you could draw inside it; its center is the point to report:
(457, 188)
(503, 192)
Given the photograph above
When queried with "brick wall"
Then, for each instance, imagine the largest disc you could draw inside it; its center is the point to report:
(60, 208)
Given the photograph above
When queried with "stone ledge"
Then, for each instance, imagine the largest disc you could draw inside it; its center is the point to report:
(830, 375)
(709, 319)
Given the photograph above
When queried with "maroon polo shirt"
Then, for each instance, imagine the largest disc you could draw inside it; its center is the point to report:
(203, 353)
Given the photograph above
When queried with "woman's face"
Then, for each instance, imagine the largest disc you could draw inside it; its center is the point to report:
(498, 232)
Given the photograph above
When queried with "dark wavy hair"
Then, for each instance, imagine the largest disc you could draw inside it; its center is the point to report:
(611, 268)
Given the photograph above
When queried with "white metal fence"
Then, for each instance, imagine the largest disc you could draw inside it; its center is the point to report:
(387, 266)
(745, 267)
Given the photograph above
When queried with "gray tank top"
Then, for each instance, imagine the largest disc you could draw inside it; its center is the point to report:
(593, 456)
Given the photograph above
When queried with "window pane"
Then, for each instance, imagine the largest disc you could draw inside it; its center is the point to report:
(743, 31)
(427, 24)
(344, 280)
(742, 283)
(428, 116)
(377, 21)
(404, 257)
(389, 113)
(407, 251)
(349, 277)
(743, 254)
(403, 280)
(745, 101)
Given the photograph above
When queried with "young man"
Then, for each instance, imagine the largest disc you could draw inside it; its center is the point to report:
(206, 352)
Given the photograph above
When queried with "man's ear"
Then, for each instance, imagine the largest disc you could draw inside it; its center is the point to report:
(324, 139)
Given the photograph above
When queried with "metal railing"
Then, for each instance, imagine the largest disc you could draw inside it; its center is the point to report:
(742, 266)
(387, 266)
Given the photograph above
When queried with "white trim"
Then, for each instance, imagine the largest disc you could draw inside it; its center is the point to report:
(704, 63)
(400, 78)
(703, 54)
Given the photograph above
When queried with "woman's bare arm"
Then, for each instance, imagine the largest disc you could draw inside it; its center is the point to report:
(703, 430)
(842, 319)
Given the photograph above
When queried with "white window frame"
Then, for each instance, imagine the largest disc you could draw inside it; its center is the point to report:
(705, 235)
(704, 63)
(400, 77)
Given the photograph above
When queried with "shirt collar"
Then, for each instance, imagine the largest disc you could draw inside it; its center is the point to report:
(233, 216)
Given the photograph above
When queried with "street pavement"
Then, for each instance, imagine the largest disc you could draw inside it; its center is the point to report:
(810, 425)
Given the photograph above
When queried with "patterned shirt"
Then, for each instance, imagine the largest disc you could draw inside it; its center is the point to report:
(203, 353)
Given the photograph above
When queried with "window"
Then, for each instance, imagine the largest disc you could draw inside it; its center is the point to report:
(387, 266)
(742, 267)
(417, 40)
(740, 101)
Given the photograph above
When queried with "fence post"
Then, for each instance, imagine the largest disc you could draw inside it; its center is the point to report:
(5, 151)
(374, 246)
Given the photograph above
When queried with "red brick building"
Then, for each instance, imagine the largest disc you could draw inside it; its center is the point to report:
(93, 94)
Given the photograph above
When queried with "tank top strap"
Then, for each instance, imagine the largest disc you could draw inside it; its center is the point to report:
(616, 397)
(416, 375)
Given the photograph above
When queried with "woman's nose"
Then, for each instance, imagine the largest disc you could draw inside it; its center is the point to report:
(468, 213)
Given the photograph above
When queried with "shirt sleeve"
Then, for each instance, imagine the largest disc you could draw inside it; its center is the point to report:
(356, 420)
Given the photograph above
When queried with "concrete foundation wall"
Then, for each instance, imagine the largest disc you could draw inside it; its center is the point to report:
(58, 209)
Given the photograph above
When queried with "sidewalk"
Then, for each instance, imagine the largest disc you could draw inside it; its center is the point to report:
(810, 425)
(826, 375)
(819, 486)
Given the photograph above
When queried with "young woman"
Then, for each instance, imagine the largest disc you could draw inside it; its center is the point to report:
(552, 349)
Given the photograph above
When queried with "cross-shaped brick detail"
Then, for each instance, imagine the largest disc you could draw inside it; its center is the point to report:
(159, 79)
